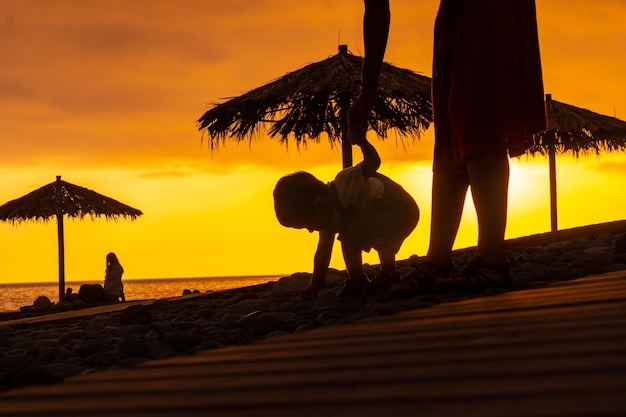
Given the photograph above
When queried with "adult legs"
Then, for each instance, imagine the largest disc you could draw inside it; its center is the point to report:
(448, 198)
(488, 179)
(489, 182)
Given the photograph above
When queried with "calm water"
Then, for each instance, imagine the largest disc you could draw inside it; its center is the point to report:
(13, 296)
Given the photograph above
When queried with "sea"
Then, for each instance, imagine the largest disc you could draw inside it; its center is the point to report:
(14, 296)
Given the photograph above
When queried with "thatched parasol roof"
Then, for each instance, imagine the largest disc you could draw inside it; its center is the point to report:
(308, 102)
(62, 198)
(577, 130)
(59, 199)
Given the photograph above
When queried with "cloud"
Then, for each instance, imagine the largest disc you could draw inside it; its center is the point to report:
(113, 82)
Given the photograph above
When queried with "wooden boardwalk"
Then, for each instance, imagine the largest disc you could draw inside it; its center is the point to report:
(553, 351)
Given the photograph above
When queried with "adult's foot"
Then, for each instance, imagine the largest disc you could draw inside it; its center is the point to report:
(477, 276)
(421, 280)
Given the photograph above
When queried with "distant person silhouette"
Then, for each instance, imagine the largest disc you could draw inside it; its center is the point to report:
(487, 94)
(365, 208)
(113, 286)
(70, 296)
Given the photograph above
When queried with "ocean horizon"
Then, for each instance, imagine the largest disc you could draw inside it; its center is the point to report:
(16, 295)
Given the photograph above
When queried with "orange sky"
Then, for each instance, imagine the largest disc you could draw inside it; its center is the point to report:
(106, 94)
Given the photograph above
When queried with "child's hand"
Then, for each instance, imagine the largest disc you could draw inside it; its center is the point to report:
(310, 292)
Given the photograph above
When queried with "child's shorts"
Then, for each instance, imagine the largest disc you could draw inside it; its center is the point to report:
(390, 221)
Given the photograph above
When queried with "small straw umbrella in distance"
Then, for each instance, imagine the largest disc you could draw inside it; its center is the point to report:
(577, 131)
(59, 199)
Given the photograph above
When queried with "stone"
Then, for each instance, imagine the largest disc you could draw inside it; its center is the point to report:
(620, 244)
(5, 342)
(133, 348)
(50, 354)
(180, 341)
(161, 304)
(12, 362)
(264, 323)
(91, 347)
(72, 336)
(31, 375)
(137, 314)
(6, 329)
(38, 344)
(614, 267)
(101, 359)
(303, 328)
(595, 251)
(603, 239)
(132, 329)
(63, 370)
(289, 286)
(206, 313)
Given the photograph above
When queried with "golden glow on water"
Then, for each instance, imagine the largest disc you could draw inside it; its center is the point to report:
(15, 296)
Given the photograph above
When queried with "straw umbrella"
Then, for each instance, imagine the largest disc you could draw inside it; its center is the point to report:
(575, 130)
(313, 100)
(59, 199)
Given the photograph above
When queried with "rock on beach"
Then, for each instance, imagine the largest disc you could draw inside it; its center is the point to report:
(48, 352)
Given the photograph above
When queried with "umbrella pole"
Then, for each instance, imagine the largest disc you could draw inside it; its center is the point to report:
(346, 146)
(552, 170)
(61, 257)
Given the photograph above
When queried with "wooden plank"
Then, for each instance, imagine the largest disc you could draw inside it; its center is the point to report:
(351, 372)
(497, 358)
(72, 314)
(301, 392)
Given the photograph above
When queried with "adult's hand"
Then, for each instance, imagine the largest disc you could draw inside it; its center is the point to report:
(358, 114)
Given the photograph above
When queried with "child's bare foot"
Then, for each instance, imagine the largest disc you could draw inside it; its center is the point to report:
(353, 287)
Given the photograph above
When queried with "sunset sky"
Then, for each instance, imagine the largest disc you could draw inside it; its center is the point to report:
(106, 93)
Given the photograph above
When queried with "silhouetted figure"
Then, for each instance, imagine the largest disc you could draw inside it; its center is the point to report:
(113, 286)
(487, 94)
(92, 294)
(41, 303)
(70, 296)
(365, 208)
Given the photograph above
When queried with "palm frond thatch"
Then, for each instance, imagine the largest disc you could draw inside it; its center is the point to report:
(579, 131)
(309, 102)
(63, 198)
(59, 199)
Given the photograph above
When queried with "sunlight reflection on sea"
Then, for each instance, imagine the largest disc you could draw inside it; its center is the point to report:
(15, 296)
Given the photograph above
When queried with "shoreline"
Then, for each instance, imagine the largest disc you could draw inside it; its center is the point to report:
(19, 297)
(33, 351)
(166, 279)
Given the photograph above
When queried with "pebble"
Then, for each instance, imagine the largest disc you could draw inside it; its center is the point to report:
(50, 352)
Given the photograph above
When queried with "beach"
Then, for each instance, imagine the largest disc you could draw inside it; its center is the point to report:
(18, 295)
(47, 349)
